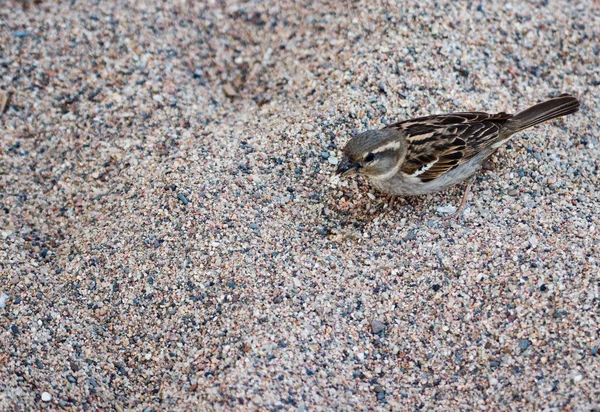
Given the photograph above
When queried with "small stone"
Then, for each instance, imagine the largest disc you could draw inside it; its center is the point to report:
(524, 344)
(447, 210)
(3, 298)
(46, 397)
(533, 241)
(182, 198)
(229, 91)
(377, 326)
(21, 33)
(513, 192)
(148, 356)
(253, 226)
(71, 379)
(14, 329)
(378, 389)
(333, 160)
(488, 165)
(551, 180)
(325, 155)
(577, 378)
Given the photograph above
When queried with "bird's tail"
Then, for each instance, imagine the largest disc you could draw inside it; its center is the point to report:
(559, 106)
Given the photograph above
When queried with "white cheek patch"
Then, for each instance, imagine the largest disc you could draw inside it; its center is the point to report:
(388, 146)
(389, 174)
(424, 168)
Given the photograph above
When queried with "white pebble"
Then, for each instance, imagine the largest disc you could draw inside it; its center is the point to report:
(533, 241)
(333, 160)
(3, 298)
(446, 209)
(46, 397)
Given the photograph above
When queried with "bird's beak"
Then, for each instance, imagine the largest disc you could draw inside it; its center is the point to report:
(347, 167)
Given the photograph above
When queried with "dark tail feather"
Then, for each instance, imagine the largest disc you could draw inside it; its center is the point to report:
(541, 112)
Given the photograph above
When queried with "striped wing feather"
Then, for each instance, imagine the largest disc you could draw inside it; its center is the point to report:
(439, 143)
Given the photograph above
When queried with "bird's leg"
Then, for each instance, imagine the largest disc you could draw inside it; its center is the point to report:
(391, 201)
(463, 202)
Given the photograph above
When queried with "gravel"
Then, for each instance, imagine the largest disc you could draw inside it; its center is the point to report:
(119, 111)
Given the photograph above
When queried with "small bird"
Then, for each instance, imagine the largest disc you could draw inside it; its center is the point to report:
(428, 154)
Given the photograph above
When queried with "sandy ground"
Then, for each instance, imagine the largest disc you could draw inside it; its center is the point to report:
(171, 239)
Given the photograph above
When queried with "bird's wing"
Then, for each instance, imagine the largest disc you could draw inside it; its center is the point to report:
(439, 143)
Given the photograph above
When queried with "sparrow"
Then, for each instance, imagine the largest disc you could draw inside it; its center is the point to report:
(431, 153)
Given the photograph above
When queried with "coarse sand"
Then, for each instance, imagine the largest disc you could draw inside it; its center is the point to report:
(171, 238)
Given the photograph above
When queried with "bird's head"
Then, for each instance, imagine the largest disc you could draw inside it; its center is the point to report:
(374, 153)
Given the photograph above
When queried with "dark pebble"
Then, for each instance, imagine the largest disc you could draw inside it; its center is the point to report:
(436, 287)
(182, 198)
(594, 351)
(253, 226)
(71, 379)
(494, 364)
(309, 372)
(325, 155)
(381, 396)
(93, 382)
(14, 329)
(543, 288)
(524, 344)
(322, 231)
(231, 284)
(377, 326)
(21, 33)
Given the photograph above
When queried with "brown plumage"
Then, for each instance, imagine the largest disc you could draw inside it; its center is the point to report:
(427, 154)
(455, 138)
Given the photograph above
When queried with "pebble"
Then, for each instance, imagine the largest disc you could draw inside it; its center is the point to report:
(524, 344)
(446, 209)
(182, 198)
(3, 298)
(513, 192)
(229, 90)
(46, 397)
(377, 326)
(333, 160)
(325, 155)
(21, 33)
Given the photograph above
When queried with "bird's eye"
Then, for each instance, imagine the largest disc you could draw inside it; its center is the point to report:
(369, 158)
